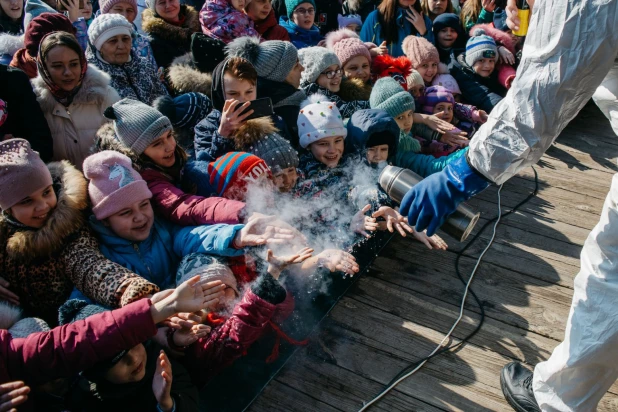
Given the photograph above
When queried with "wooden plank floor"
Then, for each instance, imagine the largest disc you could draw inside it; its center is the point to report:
(400, 310)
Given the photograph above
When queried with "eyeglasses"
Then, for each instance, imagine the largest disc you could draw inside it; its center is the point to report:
(305, 11)
(330, 74)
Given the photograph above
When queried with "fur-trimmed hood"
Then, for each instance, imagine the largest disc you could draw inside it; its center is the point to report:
(254, 130)
(92, 91)
(501, 38)
(156, 26)
(10, 43)
(354, 89)
(67, 217)
(185, 78)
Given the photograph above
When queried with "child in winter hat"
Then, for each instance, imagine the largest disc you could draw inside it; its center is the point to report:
(301, 28)
(416, 84)
(106, 5)
(423, 55)
(449, 83)
(226, 20)
(352, 22)
(354, 55)
(320, 119)
(273, 60)
(209, 269)
(440, 102)
(280, 157)
(481, 53)
(230, 174)
(449, 35)
(185, 112)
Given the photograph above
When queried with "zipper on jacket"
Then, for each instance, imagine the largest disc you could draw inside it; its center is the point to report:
(136, 248)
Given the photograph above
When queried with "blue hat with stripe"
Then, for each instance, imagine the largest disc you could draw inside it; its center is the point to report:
(480, 46)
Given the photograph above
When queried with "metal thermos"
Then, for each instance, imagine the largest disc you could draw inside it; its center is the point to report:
(397, 181)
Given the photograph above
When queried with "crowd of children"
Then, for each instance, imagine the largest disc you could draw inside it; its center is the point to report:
(135, 175)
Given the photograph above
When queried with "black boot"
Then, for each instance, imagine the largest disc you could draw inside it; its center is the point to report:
(516, 383)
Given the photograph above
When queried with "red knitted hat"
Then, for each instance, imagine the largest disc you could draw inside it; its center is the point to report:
(44, 24)
(230, 173)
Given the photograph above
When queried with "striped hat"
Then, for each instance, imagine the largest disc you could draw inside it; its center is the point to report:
(480, 46)
(435, 95)
(230, 173)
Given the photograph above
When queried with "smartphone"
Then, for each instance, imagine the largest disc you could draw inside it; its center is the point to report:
(261, 108)
(60, 6)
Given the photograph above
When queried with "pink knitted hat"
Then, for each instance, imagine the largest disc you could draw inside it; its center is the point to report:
(448, 82)
(420, 51)
(22, 172)
(346, 44)
(114, 185)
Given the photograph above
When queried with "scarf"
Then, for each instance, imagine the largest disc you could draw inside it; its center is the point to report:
(22, 60)
(281, 93)
(62, 96)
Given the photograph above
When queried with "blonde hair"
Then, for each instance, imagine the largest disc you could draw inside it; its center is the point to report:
(425, 6)
(470, 12)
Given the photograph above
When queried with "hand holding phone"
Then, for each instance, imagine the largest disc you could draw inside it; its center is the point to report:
(261, 108)
(233, 115)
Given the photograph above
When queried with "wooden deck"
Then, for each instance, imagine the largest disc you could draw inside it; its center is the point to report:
(400, 310)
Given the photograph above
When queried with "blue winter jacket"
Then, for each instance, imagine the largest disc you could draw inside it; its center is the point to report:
(371, 31)
(156, 258)
(300, 37)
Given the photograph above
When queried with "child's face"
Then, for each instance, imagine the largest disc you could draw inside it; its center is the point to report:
(131, 368)
(447, 37)
(446, 109)
(86, 12)
(377, 154)
(125, 9)
(357, 68)
(405, 121)
(328, 150)
(333, 84)
(161, 151)
(293, 77)
(286, 179)
(484, 67)
(238, 89)
(417, 90)
(258, 10)
(238, 5)
(304, 15)
(437, 7)
(34, 210)
(132, 223)
(354, 27)
(428, 70)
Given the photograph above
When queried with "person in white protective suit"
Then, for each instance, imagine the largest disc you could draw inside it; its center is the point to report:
(569, 56)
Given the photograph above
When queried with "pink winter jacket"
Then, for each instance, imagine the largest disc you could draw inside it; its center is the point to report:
(66, 350)
(506, 73)
(222, 21)
(189, 210)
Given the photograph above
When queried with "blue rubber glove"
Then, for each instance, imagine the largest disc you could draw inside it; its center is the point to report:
(429, 203)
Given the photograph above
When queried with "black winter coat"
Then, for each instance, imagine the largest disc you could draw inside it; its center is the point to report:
(482, 92)
(25, 118)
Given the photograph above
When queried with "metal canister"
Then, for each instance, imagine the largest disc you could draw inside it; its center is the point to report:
(397, 181)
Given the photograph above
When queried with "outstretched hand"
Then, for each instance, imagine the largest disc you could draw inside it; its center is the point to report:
(13, 394)
(263, 230)
(337, 260)
(393, 220)
(187, 336)
(362, 223)
(162, 383)
(277, 264)
(432, 242)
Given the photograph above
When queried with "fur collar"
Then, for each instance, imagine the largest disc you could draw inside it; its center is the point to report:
(501, 38)
(9, 43)
(354, 89)
(66, 219)
(253, 130)
(92, 91)
(184, 78)
(155, 25)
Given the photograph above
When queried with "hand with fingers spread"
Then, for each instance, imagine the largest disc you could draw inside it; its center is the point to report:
(361, 223)
(13, 394)
(512, 19)
(417, 20)
(277, 264)
(162, 383)
(489, 5)
(274, 221)
(336, 260)
(72, 7)
(184, 320)
(392, 220)
(506, 57)
(232, 116)
(381, 50)
(261, 231)
(187, 336)
(435, 122)
(454, 139)
(6, 294)
(432, 242)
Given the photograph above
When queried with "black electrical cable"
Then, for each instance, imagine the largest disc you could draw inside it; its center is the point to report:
(412, 366)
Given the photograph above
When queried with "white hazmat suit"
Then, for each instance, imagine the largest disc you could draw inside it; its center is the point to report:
(570, 50)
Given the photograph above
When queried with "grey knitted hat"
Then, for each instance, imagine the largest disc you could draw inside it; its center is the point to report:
(273, 60)
(275, 151)
(207, 267)
(28, 326)
(136, 124)
(315, 60)
(388, 95)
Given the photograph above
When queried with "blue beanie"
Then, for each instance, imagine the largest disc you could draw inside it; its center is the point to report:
(186, 110)
(480, 46)
(290, 6)
(447, 20)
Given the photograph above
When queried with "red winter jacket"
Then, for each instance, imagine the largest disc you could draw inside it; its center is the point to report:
(66, 350)
(269, 29)
(189, 210)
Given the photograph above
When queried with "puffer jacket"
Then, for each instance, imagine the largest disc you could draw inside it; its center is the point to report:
(346, 109)
(169, 41)
(300, 37)
(482, 92)
(43, 265)
(221, 21)
(136, 79)
(156, 259)
(269, 29)
(506, 72)
(73, 128)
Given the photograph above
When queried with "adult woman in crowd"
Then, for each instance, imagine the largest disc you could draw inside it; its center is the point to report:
(170, 26)
(110, 50)
(393, 21)
(72, 95)
(11, 16)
